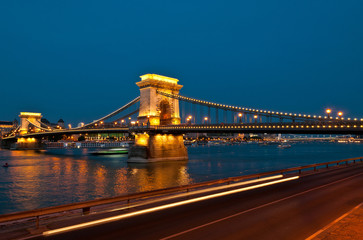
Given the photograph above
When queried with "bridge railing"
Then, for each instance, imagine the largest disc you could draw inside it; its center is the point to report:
(87, 205)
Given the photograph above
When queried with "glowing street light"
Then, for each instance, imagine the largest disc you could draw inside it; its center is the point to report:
(255, 117)
(240, 117)
(328, 111)
(205, 120)
(340, 113)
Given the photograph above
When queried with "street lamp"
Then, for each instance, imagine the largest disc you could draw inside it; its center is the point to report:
(148, 120)
(340, 114)
(328, 111)
(240, 117)
(205, 120)
(255, 117)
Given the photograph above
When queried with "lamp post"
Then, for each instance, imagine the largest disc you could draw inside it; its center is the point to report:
(340, 114)
(240, 117)
(328, 111)
(205, 120)
(255, 117)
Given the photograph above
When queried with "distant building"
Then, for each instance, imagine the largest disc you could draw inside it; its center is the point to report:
(61, 123)
(45, 121)
(7, 126)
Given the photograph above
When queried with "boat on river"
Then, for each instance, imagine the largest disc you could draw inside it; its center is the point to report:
(111, 151)
(284, 145)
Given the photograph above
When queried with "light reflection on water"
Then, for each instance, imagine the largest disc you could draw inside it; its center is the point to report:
(34, 180)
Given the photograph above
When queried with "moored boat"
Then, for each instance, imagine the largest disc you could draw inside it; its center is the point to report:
(284, 145)
(111, 151)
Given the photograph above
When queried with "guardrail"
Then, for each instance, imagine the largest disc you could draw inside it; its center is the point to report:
(87, 205)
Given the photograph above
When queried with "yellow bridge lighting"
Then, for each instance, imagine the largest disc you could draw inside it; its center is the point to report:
(30, 114)
(158, 77)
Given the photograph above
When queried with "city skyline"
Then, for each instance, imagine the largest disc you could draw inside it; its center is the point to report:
(80, 61)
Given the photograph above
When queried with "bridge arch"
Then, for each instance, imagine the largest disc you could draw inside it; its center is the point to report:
(165, 112)
(154, 107)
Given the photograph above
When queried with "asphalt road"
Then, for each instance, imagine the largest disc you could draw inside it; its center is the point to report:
(289, 210)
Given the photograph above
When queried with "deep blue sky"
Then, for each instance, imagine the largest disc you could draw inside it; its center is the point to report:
(80, 59)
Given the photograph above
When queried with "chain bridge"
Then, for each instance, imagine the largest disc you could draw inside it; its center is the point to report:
(160, 116)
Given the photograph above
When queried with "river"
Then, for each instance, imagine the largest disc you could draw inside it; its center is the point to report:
(35, 180)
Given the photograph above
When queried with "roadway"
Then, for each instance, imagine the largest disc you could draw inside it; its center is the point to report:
(290, 210)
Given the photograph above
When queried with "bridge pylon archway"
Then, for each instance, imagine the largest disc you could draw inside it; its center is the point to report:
(155, 108)
(29, 117)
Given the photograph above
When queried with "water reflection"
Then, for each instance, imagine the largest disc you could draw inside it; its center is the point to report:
(147, 177)
(35, 179)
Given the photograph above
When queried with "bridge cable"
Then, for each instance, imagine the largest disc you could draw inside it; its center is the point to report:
(45, 129)
(113, 113)
(245, 109)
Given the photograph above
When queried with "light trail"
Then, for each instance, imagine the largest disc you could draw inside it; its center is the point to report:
(127, 215)
(188, 194)
(255, 208)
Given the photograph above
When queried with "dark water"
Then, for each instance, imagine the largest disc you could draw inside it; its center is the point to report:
(35, 180)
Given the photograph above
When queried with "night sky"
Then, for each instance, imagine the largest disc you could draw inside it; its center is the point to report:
(79, 60)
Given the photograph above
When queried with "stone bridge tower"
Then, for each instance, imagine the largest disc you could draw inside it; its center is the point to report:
(29, 117)
(154, 107)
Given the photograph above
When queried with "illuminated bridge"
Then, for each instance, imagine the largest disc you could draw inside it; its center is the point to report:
(160, 109)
